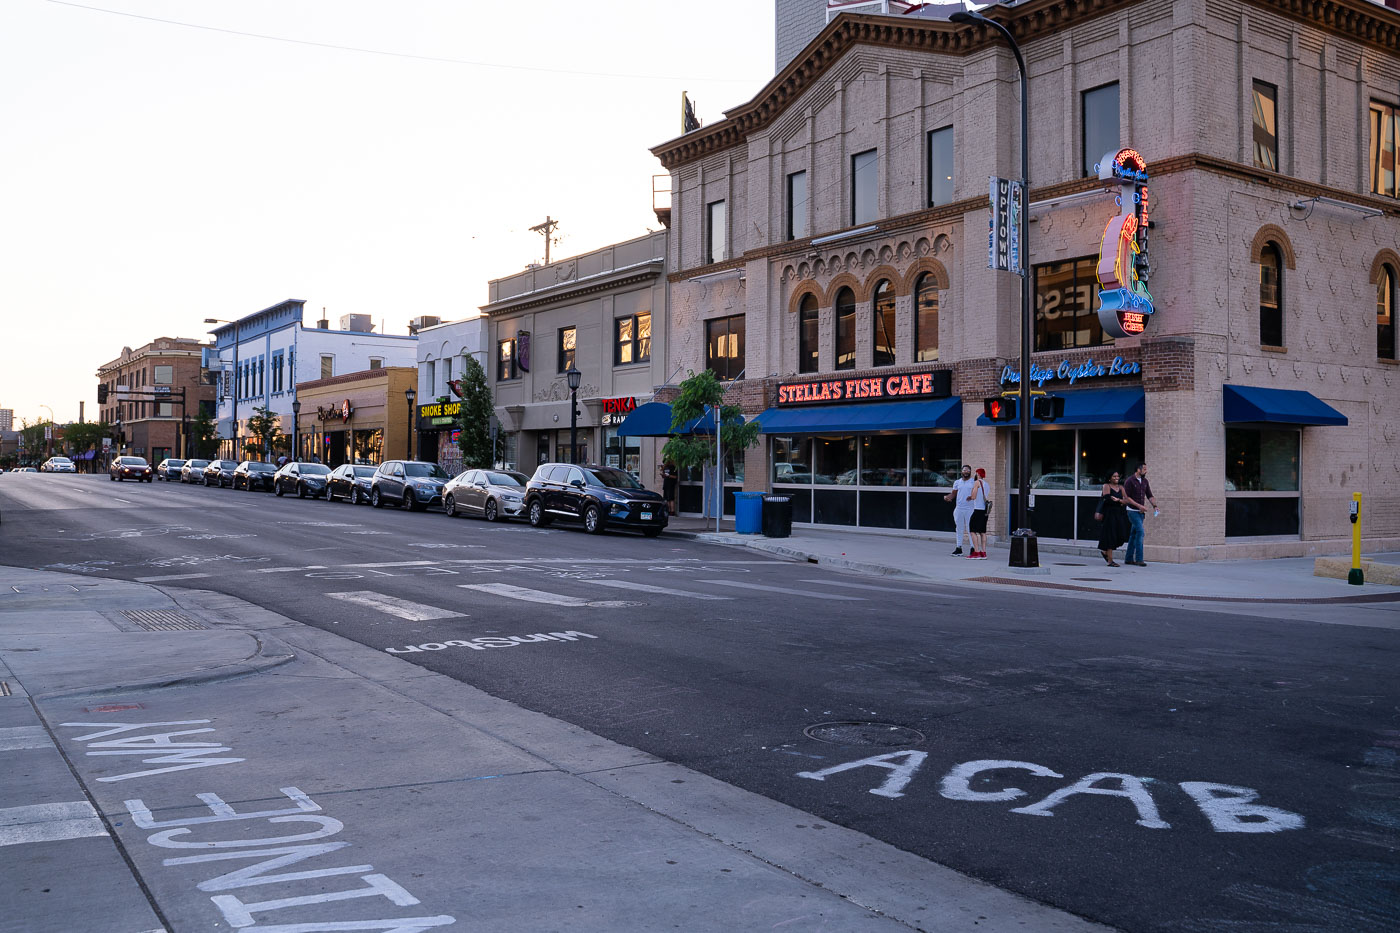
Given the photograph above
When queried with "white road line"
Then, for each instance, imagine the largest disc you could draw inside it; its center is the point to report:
(123, 501)
(689, 561)
(648, 588)
(172, 576)
(395, 563)
(784, 589)
(413, 612)
(520, 592)
(290, 569)
(17, 737)
(886, 589)
(49, 822)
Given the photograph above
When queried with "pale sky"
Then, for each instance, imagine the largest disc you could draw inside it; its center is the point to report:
(158, 174)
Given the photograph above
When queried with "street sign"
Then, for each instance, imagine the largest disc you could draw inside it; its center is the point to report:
(106, 444)
(1004, 247)
(48, 432)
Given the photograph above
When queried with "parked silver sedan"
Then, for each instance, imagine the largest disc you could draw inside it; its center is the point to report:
(491, 494)
(193, 471)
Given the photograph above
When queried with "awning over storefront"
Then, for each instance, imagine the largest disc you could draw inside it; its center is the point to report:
(1280, 406)
(654, 420)
(868, 416)
(1093, 406)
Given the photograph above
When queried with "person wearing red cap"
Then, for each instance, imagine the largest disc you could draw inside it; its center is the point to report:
(977, 524)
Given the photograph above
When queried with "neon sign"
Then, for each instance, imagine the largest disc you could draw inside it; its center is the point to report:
(1125, 305)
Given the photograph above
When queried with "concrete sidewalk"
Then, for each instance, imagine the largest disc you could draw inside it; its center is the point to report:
(181, 760)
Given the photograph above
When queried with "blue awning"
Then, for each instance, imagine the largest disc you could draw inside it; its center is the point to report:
(1280, 406)
(865, 416)
(650, 420)
(1093, 406)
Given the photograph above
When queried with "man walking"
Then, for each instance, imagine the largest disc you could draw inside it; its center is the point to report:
(963, 506)
(1137, 493)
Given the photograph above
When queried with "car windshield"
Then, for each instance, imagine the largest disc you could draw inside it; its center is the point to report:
(364, 471)
(175, 463)
(133, 461)
(61, 460)
(506, 479)
(431, 470)
(615, 479)
(257, 466)
(198, 463)
(314, 469)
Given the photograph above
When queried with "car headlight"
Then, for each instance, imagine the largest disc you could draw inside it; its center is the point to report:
(512, 497)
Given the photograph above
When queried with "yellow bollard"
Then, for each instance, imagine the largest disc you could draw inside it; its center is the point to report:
(1355, 576)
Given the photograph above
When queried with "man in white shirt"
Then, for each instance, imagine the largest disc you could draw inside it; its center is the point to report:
(963, 503)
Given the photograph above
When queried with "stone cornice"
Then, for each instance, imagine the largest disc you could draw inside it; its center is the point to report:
(576, 288)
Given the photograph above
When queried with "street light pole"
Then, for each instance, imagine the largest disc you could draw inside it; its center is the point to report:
(410, 394)
(574, 377)
(1028, 556)
(296, 426)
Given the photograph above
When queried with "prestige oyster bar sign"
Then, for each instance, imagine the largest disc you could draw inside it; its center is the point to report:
(935, 383)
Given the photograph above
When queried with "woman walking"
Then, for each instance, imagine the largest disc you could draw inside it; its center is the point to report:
(1114, 518)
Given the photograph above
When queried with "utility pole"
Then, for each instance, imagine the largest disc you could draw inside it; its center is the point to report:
(546, 228)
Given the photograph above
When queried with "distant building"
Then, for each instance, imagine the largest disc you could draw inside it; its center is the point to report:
(262, 357)
(7, 419)
(442, 353)
(358, 417)
(144, 391)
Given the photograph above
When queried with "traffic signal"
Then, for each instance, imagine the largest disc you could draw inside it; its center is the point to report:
(1048, 407)
(102, 393)
(999, 409)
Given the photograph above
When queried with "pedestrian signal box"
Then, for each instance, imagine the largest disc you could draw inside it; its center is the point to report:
(999, 409)
(1048, 407)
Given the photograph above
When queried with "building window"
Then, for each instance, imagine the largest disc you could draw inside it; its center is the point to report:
(797, 205)
(1100, 131)
(1385, 314)
(568, 343)
(715, 230)
(277, 372)
(261, 372)
(430, 386)
(883, 320)
(1385, 128)
(925, 319)
(327, 366)
(632, 339)
(376, 363)
(1270, 296)
(1265, 126)
(940, 166)
(808, 335)
(865, 178)
(506, 363)
(165, 409)
(1261, 482)
(845, 329)
(446, 372)
(1067, 306)
(164, 375)
(724, 346)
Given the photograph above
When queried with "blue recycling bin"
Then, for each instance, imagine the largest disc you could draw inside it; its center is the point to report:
(748, 513)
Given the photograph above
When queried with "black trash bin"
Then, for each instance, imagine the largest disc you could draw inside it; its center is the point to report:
(777, 516)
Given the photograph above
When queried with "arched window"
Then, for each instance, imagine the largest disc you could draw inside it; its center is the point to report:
(807, 334)
(883, 320)
(925, 319)
(845, 329)
(1385, 314)
(1271, 296)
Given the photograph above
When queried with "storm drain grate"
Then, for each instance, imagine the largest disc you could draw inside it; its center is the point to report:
(873, 734)
(163, 620)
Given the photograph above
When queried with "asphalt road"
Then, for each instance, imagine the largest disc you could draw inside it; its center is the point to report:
(1146, 767)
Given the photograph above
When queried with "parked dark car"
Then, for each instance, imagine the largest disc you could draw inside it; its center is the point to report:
(253, 474)
(220, 473)
(351, 482)
(136, 468)
(600, 497)
(169, 470)
(193, 471)
(411, 484)
(491, 494)
(304, 479)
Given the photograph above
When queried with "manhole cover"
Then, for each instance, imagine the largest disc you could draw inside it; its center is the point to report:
(162, 620)
(874, 734)
(1092, 579)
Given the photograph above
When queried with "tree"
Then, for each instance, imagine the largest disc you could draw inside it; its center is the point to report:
(263, 426)
(699, 393)
(86, 435)
(203, 432)
(474, 420)
(31, 438)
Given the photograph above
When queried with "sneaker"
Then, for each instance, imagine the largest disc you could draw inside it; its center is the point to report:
(974, 555)
(981, 555)
(1138, 563)
(957, 552)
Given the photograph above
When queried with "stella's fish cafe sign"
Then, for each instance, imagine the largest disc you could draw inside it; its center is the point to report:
(902, 387)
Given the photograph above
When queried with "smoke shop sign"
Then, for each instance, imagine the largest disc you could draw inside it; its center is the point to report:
(1073, 372)
(900, 387)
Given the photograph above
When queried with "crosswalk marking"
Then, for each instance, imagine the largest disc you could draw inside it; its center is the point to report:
(648, 588)
(49, 822)
(290, 569)
(396, 563)
(520, 592)
(784, 589)
(413, 612)
(171, 576)
(18, 737)
(886, 589)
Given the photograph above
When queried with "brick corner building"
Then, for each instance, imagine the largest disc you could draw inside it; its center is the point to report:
(138, 384)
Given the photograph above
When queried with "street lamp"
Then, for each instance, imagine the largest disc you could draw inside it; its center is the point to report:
(296, 426)
(574, 377)
(1026, 555)
(410, 395)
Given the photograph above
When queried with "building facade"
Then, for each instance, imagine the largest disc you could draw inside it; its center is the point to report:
(829, 251)
(152, 393)
(603, 313)
(264, 356)
(442, 353)
(361, 417)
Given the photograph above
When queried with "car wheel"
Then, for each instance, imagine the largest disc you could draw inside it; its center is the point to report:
(150, 479)
(537, 517)
(449, 505)
(491, 512)
(593, 520)
(277, 489)
(411, 503)
(651, 532)
(355, 496)
(375, 499)
(301, 491)
(112, 478)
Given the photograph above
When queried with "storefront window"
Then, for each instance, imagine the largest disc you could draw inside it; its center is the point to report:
(883, 459)
(792, 460)
(835, 461)
(369, 446)
(1068, 470)
(935, 459)
(622, 452)
(1261, 482)
(1107, 451)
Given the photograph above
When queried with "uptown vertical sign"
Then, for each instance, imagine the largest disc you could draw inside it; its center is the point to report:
(1004, 227)
(1125, 306)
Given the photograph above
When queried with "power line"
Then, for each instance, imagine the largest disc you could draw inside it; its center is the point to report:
(388, 54)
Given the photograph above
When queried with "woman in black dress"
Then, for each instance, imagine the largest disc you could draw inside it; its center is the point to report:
(1114, 518)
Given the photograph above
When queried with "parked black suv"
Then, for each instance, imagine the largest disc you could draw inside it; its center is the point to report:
(600, 497)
